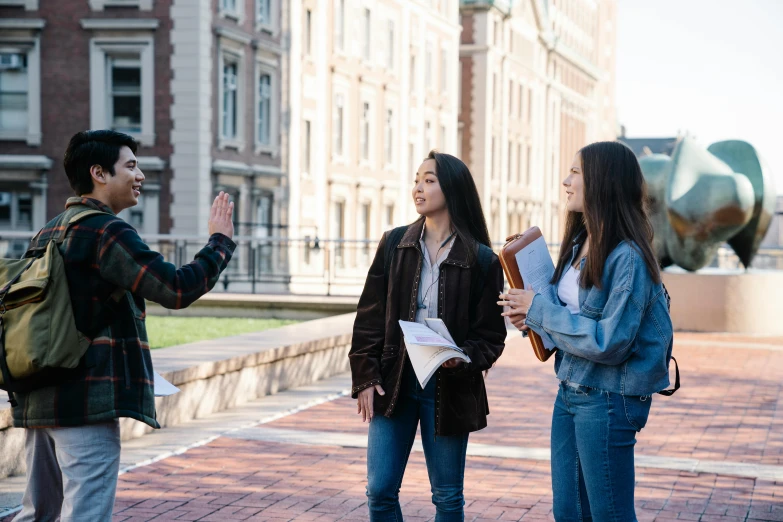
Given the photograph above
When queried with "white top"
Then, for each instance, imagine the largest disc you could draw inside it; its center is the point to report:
(568, 290)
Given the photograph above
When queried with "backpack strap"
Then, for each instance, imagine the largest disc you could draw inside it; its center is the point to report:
(75, 219)
(484, 258)
(392, 241)
(669, 393)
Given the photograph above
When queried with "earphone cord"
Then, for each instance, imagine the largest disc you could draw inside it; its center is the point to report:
(421, 305)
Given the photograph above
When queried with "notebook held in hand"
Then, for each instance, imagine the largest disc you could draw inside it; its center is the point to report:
(508, 260)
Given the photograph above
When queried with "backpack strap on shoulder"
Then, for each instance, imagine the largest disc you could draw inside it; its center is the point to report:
(75, 219)
(483, 260)
(392, 241)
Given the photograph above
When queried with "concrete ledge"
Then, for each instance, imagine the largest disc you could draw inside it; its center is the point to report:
(263, 306)
(726, 301)
(222, 374)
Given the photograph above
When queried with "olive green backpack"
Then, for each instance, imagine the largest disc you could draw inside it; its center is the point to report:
(38, 335)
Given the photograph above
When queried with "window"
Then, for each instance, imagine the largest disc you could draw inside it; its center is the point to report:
(442, 141)
(528, 106)
(122, 86)
(339, 24)
(510, 165)
(263, 224)
(364, 231)
(13, 94)
(264, 12)
(338, 229)
(528, 157)
(510, 107)
(367, 34)
(125, 94)
(390, 43)
(308, 43)
(265, 109)
(444, 69)
(521, 98)
(494, 91)
(388, 216)
(519, 163)
(428, 64)
(493, 159)
(364, 137)
(498, 33)
(388, 137)
(413, 73)
(230, 99)
(412, 159)
(338, 115)
(306, 147)
(426, 138)
(16, 210)
(230, 8)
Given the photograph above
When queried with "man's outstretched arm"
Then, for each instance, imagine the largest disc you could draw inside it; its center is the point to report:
(126, 261)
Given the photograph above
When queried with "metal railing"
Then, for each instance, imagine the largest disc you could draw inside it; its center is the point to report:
(311, 265)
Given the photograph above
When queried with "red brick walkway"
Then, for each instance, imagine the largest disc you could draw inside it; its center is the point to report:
(729, 409)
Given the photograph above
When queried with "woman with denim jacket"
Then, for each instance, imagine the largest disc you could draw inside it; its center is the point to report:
(607, 313)
(441, 266)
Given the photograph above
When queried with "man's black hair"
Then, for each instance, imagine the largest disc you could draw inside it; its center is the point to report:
(88, 148)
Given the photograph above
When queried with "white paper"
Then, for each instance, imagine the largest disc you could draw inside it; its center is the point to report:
(437, 325)
(416, 333)
(536, 268)
(535, 265)
(429, 348)
(163, 388)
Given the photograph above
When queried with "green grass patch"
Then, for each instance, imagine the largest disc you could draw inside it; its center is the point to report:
(171, 331)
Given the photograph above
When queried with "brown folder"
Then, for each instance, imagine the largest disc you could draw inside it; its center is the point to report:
(508, 260)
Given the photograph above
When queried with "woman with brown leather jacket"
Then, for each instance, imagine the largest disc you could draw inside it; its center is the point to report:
(442, 266)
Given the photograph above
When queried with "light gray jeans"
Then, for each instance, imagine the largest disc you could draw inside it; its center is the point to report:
(71, 473)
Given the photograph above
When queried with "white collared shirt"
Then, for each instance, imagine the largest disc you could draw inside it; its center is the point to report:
(429, 280)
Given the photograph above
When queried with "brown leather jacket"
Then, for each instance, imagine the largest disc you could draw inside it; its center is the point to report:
(378, 353)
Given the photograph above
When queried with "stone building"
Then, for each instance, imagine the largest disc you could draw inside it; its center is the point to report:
(537, 83)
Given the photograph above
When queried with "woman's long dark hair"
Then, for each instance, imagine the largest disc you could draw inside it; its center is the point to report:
(615, 210)
(462, 201)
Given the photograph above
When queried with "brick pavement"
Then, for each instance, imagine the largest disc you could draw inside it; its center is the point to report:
(730, 409)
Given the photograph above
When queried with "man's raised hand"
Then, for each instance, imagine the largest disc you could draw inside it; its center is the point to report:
(221, 215)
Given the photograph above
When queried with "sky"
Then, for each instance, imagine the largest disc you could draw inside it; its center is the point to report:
(711, 68)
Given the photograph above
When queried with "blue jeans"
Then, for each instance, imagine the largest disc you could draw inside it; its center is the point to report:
(388, 448)
(593, 435)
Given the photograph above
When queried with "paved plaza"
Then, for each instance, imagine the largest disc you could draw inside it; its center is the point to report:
(712, 452)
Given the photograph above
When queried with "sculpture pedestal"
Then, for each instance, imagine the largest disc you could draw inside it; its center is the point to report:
(713, 300)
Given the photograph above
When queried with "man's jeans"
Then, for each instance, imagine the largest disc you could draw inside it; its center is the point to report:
(593, 435)
(71, 473)
(389, 445)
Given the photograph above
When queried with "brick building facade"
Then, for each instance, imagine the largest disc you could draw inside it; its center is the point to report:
(197, 82)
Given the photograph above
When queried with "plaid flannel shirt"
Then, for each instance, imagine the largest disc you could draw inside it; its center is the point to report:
(102, 254)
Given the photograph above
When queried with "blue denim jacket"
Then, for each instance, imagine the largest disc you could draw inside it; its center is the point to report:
(621, 341)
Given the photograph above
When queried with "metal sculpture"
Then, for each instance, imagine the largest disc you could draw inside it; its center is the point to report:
(702, 198)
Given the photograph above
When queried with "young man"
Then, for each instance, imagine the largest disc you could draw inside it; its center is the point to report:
(72, 439)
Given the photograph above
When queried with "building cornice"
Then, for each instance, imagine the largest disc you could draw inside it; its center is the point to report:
(243, 169)
(233, 34)
(25, 162)
(22, 23)
(152, 163)
(120, 24)
(577, 60)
